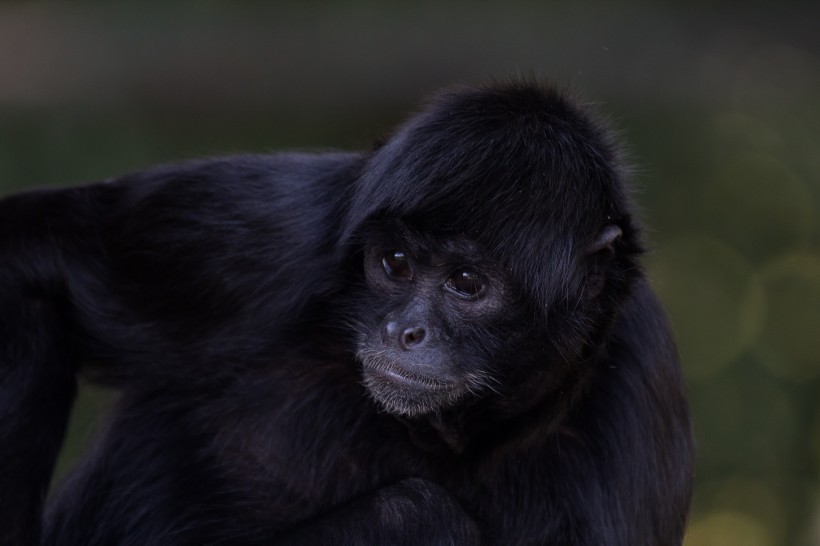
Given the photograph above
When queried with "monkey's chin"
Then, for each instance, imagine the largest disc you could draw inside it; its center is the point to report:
(402, 394)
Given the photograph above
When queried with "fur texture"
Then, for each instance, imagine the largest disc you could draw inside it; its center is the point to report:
(226, 299)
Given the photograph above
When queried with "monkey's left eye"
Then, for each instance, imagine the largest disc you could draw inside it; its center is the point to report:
(396, 266)
(465, 283)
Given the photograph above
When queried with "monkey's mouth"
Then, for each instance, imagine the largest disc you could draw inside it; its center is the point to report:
(398, 376)
(379, 366)
(403, 393)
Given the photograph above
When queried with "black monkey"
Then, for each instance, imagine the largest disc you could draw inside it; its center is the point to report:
(447, 340)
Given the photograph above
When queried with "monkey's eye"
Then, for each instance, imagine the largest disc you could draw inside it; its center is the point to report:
(396, 266)
(465, 283)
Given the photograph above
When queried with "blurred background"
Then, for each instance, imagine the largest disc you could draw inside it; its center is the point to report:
(719, 104)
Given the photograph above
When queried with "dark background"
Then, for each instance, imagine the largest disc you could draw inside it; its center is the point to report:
(718, 103)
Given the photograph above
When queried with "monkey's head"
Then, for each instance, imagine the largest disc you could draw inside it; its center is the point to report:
(496, 243)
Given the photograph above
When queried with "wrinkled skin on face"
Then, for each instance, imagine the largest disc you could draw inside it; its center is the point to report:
(446, 317)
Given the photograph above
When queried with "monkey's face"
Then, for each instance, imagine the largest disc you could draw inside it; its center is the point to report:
(437, 320)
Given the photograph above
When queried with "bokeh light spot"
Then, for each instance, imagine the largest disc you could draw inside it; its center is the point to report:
(789, 343)
(713, 297)
(755, 498)
(777, 72)
(744, 421)
(759, 206)
(727, 529)
(742, 130)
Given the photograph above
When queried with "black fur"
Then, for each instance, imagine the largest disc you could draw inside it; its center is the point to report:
(226, 298)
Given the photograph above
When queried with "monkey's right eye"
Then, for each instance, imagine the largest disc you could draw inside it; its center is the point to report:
(396, 266)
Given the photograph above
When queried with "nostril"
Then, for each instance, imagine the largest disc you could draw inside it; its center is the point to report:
(412, 336)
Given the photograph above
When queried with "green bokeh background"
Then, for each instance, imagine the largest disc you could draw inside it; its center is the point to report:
(719, 104)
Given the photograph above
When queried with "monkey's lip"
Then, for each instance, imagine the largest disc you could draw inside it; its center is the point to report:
(396, 375)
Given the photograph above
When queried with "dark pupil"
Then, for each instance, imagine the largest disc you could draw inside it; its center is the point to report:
(395, 264)
(466, 282)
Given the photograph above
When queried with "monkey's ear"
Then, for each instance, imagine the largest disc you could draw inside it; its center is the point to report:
(599, 253)
(605, 241)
